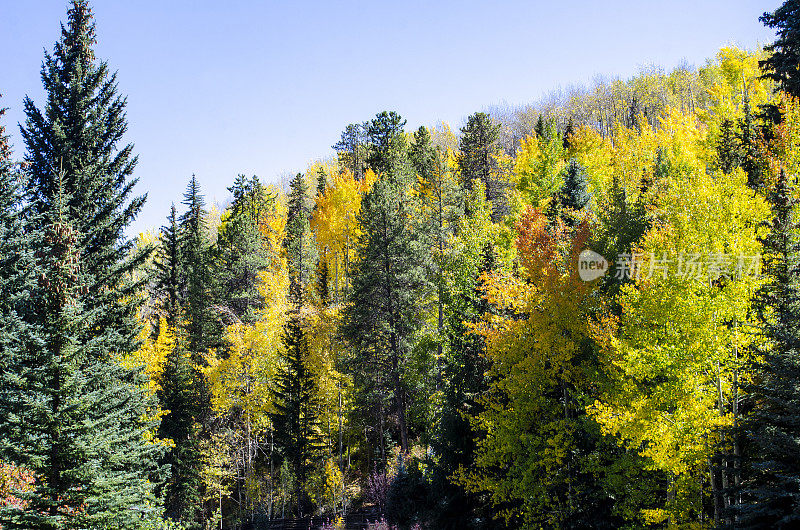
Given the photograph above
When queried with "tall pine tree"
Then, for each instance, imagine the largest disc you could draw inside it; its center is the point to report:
(771, 496)
(781, 65)
(384, 313)
(477, 146)
(90, 424)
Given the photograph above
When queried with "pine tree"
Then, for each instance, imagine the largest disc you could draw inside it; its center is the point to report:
(170, 277)
(781, 65)
(352, 149)
(574, 195)
(81, 185)
(199, 322)
(478, 145)
(179, 397)
(422, 155)
(388, 152)
(772, 471)
(298, 241)
(241, 253)
(383, 312)
(296, 417)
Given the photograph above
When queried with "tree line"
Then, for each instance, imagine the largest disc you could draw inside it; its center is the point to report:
(408, 328)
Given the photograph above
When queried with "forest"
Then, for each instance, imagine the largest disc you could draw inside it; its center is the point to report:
(581, 313)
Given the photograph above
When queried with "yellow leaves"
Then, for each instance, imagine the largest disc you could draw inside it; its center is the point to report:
(537, 168)
(675, 350)
(151, 355)
(241, 381)
(335, 220)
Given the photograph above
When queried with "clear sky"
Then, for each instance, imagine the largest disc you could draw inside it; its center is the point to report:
(221, 87)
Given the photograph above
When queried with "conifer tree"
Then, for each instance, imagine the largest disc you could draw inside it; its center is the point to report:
(422, 154)
(751, 159)
(388, 151)
(771, 496)
(574, 195)
(81, 186)
(179, 397)
(299, 244)
(383, 312)
(169, 274)
(241, 252)
(781, 65)
(352, 149)
(568, 137)
(322, 181)
(17, 280)
(478, 145)
(296, 417)
(727, 147)
(198, 318)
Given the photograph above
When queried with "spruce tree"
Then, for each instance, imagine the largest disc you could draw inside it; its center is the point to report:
(241, 253)
(771, 492)
(198, 319)
(295, 419)
(88, 430)
(18, 272)
(179, 397)
(169, 274)
(574, 195)
(299, 244)
(781, 65)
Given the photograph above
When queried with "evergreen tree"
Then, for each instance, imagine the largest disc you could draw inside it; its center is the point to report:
(478, 145)
(296, 417)
(727, 147)
(771, 496)
(17, 280)
(87, 432)
(170, 277)
(198, 319)
(781, 65)
(298, 241)
(383, 312)
(323, 282)
(574, 195)
(752, 161)
(352, 149)
(464, 382)
(388, 152)
(178, 396)
(540, 129)
(322, 181)
(569, 133)
(422, 155)
(241, 252)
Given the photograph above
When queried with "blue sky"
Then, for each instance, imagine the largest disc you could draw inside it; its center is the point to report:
(218, 88)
